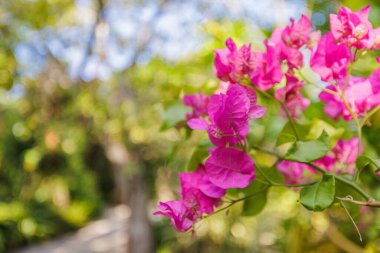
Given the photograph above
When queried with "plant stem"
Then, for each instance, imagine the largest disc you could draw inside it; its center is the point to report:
(234, 201)
(371, 203)
(358, 126)
(293, 185)
(272, 183)
(369, 115)
(316, 85)
(343, 180)
(283, 106)
(290, 120)
(352, 185)
(347, 77)
(352, 220)
(352, 113)
(267, 151)
(264, 175)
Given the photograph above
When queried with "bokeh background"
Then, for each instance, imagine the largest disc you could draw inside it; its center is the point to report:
(90, 101)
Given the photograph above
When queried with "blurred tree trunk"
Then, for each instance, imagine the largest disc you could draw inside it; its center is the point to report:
(131, 192)
(119, 158)
(140, 233)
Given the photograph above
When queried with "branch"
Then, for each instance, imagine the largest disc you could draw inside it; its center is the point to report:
(347, 182)
(352, 220)
(370, 203)
(341, 241)
(272, 183)
(92, 39)
(316, 85)
(146, 35)
(234, 201)
(369, 115)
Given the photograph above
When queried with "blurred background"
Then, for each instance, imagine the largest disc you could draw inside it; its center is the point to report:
(90, 101)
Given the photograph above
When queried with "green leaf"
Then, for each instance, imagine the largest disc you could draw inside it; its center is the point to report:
(308, 151)
(318, 126)
(308, 132)
(320, 195)
(255, 204)
(287, 133)
(196, 158)
(199, 154)
(343, 190)
(285, 138)
(364, 161)
(174, 113)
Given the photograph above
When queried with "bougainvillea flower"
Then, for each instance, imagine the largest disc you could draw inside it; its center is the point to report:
(233, 64)
(375, 78)
(314, 38)
(223, 87)
(182, 219)
(288, 41)
(296, 34)
(358, 94)
(198, 102)
(374, 99)
(375, 38)
(341, 158)
(351, 28)
(229, 168)
(292, 56)
(295, 172)
(267, 71)
(330, 60)
(196, 185)
(229, 115)
(292, 96)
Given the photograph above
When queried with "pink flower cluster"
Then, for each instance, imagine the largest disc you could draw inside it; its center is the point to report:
(292, 96)
(263, 70)
(360, 93)
(354, 29)
(198, 196)
(350, 32)
(229, 115)
(228, 166)
(295, 172)
(225, 115)
(289, 41)
(199, 104)
(342, 157)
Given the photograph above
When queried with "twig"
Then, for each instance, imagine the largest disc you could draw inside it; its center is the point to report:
(272, 183)
(341, 241)
(370, 203)
(91, 40)
(290, 120)
(352, 220)
(233, 202)
(370, 114)
(349, 183)
(316, 85)
(353, 115)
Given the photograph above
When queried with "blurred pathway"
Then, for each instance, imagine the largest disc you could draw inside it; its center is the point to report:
(108, 234)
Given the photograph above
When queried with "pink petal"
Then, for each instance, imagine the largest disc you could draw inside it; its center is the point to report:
(198, 124)
(176, 210)
(257, 111)
(230, 168)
